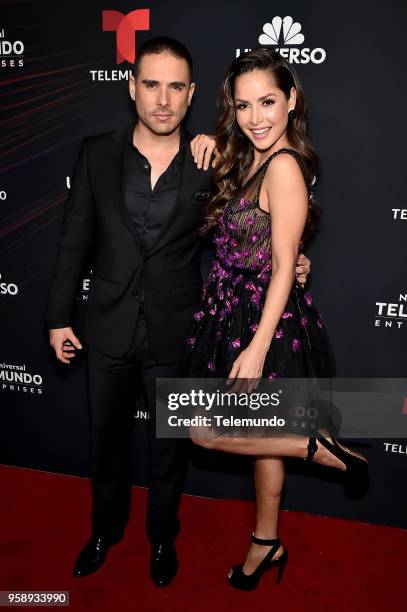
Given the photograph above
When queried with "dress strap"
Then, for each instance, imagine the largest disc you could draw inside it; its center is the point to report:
(263, 169)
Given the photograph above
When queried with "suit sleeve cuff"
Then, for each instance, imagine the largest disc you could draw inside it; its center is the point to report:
(52, 325)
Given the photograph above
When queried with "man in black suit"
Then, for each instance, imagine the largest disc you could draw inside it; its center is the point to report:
(135, 203)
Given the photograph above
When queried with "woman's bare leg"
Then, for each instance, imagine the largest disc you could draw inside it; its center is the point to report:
(291, 445)
(269, 476)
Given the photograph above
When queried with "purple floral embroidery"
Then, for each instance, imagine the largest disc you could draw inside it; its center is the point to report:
(308, 298)
(255, 298)
(295, 345)
(240, 274)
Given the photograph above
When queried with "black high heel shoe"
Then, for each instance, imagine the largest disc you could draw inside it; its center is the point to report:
(248, 582)
(356, 473)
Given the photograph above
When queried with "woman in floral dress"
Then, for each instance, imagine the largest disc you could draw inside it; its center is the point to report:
(256, 321)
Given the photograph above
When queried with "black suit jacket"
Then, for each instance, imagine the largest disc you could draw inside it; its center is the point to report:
(96, 218)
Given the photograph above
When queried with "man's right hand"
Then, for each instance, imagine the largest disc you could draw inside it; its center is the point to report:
(57, 337)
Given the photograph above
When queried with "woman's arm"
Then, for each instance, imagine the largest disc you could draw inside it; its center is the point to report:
(286, 196)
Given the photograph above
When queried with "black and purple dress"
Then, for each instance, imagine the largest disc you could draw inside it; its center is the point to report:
(234, 295)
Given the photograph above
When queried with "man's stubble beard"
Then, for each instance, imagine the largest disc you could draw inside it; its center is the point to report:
(165, 131)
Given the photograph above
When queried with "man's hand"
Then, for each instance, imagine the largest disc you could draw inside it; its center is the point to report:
(303, 268)
(57, 338)
(202, 148)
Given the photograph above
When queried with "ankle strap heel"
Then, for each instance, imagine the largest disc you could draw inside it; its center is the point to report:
(248, 582)
(356, 478)
(311, 448)
(275, 542)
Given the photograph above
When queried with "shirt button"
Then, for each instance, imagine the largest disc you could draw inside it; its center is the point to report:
(146, 166)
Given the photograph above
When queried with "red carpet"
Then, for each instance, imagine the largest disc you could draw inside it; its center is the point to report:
(334, 565)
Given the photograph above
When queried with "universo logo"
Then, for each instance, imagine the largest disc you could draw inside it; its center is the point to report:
(8, 288)
(285, 31)
(125, 27)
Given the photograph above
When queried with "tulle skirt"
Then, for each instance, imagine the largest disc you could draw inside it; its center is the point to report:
(230, 311)
(229, 315)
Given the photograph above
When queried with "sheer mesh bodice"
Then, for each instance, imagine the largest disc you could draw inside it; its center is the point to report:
(243, 238)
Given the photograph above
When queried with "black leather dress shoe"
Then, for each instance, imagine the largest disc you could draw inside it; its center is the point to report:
(164, 563)
(93, 555)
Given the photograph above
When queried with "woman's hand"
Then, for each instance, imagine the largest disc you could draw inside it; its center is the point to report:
(248, 367)
(202, 148)
(303, 268)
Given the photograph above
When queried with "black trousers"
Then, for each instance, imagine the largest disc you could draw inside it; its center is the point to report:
(114, 385)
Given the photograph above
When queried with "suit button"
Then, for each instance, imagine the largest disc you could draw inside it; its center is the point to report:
(135, 293)
(146, 258)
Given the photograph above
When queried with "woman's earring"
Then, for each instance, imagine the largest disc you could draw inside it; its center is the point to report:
(291, 114)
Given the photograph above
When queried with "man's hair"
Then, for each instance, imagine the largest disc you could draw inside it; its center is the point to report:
(163, 44)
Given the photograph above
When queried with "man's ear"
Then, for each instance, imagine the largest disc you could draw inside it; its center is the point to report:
(191, 92)
(132, 87)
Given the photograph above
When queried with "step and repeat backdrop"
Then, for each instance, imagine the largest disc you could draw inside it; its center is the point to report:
(64, 73)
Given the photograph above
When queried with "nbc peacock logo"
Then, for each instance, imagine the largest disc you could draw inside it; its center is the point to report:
(290, 29)
(286, 33)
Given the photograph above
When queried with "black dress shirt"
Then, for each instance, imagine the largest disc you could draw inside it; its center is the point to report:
(149, 208)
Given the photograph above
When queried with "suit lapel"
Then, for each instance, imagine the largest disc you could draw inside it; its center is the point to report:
(122, 139)
(190, 176)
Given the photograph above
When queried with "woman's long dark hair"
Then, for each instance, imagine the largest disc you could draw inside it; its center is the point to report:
(236, 150)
